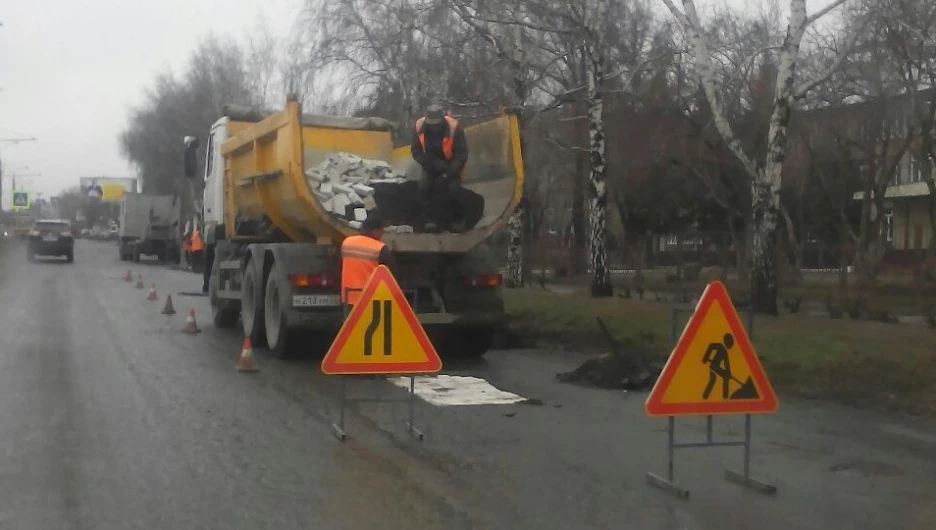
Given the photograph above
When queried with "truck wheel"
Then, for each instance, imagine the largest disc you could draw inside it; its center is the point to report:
(252, 306)
(136, 253)
(222, 313)
(278, 336)
(70, 257)
(472, 343)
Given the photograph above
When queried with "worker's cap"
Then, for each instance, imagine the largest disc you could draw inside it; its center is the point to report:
(434, 114)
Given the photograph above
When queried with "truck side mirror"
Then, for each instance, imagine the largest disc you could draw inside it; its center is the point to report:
(190, 161)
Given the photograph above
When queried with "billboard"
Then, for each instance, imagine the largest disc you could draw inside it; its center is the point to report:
(107, 189)
(21, 201)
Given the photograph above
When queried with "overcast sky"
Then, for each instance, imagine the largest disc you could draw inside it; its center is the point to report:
(71, 69)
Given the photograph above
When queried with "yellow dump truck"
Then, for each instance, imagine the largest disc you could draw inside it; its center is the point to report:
(276, 248)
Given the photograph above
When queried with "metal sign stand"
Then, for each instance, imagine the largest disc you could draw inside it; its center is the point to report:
(744, 478)
(343, 399)
(410, 400)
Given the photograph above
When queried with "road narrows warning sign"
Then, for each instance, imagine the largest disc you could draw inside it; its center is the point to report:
(713, 368)
(381, 335)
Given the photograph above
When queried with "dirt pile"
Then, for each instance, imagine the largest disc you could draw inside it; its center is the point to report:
(629, 366)
(630, 370)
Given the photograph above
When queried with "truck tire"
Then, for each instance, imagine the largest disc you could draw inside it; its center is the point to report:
(277, 330)
(467, 344)
(252, 306)
(224, 313)
(136, 253)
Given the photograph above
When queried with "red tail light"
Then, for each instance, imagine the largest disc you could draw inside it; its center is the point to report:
(483, 280)
(34, 233)
(66, 233)
(312, 280)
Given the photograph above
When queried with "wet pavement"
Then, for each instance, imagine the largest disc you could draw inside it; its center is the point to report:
(112, 418)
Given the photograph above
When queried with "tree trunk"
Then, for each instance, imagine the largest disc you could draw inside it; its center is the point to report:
(579, 240)
(515, 248)
(601, 276)
(793, 255)
(763, 251)
(528, 243)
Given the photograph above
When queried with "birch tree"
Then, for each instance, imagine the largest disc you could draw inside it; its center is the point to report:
(790, 89)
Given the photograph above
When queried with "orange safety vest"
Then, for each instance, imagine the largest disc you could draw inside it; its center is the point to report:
(360, 256)
(448, 143)
(197, 242)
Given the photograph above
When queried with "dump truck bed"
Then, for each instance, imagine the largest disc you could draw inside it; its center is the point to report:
(266, 160)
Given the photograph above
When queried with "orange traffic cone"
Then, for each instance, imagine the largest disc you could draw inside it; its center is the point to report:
(128, 277)
(190, 325)
(152, 294)
(139, 284)
(168, 309)
(245, 362)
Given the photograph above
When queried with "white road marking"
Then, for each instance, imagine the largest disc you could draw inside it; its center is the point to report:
(451, 390)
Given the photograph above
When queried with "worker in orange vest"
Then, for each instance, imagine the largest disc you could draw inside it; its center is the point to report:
(440, 148)
(198, 249)
(360, 256)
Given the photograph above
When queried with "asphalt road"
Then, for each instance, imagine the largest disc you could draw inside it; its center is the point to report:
(111, 418)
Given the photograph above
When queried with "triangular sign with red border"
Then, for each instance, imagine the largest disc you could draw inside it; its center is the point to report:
(381, 334)
(713, 368)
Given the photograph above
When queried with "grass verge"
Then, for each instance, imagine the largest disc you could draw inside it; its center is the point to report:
(870, 364)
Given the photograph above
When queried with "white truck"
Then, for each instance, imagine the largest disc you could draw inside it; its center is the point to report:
(149, 224)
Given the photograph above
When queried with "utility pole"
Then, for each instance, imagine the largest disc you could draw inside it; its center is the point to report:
(9, 141)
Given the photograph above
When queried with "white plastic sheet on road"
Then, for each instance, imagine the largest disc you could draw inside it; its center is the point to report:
(451, 390)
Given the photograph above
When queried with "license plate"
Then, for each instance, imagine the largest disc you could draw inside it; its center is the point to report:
(49, 238)
(315, 300)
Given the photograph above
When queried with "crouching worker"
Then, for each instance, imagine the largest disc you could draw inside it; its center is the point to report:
(440, 148)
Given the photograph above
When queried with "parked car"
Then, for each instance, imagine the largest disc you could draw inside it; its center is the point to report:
(50, 237)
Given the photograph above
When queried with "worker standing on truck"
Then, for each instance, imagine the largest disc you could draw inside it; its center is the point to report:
(440, 148)
(360, 256)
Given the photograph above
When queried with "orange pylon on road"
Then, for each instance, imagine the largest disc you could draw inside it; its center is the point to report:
(168, 309)
(152, 294)
(128, 277)
(139, 284)
(245, 363)
(190, 325)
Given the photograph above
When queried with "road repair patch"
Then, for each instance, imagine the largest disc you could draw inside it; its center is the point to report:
(452, 390)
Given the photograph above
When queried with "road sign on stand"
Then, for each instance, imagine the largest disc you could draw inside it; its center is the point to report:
(381, 335)
(713, 368)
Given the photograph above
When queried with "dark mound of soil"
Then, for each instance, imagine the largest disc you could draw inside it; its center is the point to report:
(630, 370)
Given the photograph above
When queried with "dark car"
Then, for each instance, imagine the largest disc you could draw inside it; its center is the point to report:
(51, 238)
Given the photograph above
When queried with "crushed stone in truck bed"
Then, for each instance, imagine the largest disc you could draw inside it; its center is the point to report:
(344, 185)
